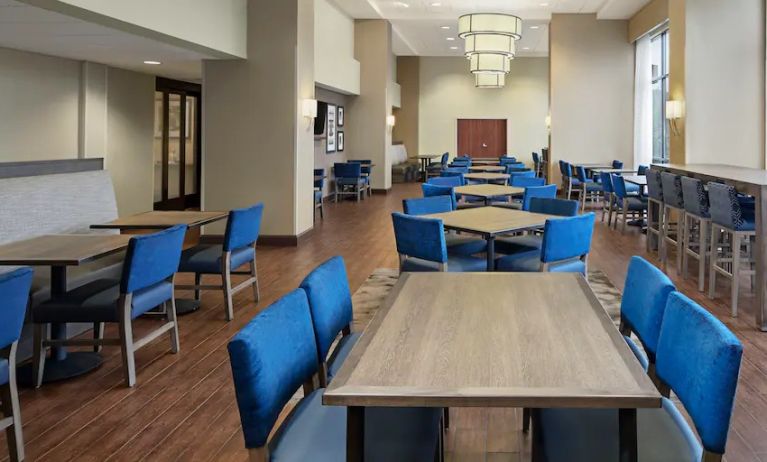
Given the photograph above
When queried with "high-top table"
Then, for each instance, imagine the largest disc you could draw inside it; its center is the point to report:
(491, 222)
(60, 251)
(750, 181)
(513, 340)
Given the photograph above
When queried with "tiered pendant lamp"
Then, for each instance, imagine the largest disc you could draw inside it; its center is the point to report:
(489, 63)
(490, 45)
(489, 80)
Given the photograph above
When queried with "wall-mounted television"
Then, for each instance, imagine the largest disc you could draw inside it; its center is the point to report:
(321, 119)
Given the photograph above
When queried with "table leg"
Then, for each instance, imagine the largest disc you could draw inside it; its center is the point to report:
(355, 434)
(491, 253)
(58, 289)
(627, 424)
(761, 260)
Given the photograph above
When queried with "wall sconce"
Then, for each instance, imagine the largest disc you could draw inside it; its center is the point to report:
(309, 110)
(391, 121)
(674, 112)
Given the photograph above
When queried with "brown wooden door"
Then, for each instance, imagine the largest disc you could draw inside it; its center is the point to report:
(482, 137)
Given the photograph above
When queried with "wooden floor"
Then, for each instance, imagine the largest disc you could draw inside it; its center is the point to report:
(183, 407)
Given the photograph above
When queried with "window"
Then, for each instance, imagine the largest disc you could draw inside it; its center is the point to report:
(659, 51)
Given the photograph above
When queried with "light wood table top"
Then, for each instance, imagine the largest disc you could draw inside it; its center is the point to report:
(491, 221)
(488, 190)
(487, 176)
(612, 170)
(753, 176)
(159, 219)
(485, 162)
(639, 180)
(62, 249)
(428, 156)
(472, 340)
(487, 168)
(594, 165)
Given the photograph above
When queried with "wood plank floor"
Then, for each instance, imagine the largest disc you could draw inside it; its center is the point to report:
(183, 407)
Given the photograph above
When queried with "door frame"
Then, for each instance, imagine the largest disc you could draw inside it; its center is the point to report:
(184, 201)
(458, 119)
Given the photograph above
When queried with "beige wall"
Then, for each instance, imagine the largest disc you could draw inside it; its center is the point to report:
(447, 93)
(592, 89)
(257, 147)
(648, 18)
(406, 130)
(324, 159)
(334, 65)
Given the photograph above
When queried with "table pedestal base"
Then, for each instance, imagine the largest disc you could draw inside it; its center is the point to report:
(186, 306)
(75, 364)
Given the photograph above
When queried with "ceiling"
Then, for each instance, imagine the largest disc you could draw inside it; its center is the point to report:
(28, 28)
(419, 26)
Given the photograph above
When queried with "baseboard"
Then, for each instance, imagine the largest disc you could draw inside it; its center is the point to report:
(381, 191)
(266, 240)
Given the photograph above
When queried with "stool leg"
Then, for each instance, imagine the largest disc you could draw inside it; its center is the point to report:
(735, 273)
(686, 245)
(662, 241)
(712, 264)
(702, 251)
(681, 231)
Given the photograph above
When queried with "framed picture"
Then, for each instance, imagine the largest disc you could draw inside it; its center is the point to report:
(330, 140)
(340, 116)
(340, 141)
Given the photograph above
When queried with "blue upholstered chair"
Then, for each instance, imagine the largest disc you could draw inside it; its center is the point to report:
(151, 262)
(456, 244)
(732, 219)
(617, 164)
(349, 180)
(14, 296)
(565, 248)
(642, 170)
(238, 249)
(532, 242)
(522, 174)
(366, 169)
(546, 192)
(537, 164)
(524, 181)
(672, 233)
(435, 168)
(644, 301)
(274, 355)
(698, 359)
(625, 204)
(608, 197)
(319, 185)
(450, 181)
(422, 246)
(586, 187)
(697, 224)
(431, 190)
(655, 216)
(455, 171)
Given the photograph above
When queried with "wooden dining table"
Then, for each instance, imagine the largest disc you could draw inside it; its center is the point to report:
(487, 177)
(61, 251)
(751, 181)
(474, 340)
(491, 222)
(489, 191)
(487, 168)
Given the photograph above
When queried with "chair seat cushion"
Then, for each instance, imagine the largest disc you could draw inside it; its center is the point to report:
(519, 244)
(632, 188)
(455, 264)
(4, 371)
(350, 181)
(206, 259)
(97, 302)
(592, 434)
(463, 245)
(635, 204)
(318, 433)
(531, 263)
(341, 352)
(317, 196)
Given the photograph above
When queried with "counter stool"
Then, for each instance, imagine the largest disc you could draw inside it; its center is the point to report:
(672, 231)
(733, 221)
(697, 221)
(654, 210)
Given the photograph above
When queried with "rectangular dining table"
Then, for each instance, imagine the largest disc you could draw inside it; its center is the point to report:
(60, 251)
(487, 177)
(491, 222)
(473, 340)
(489, 191)
(487, 168)
(751, 181)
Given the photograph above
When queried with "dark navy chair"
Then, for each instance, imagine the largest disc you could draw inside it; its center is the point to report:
(645, 295)
(456, 245)
(565, 248)
(734, 219)
(151, 262)
(655, 216)
(673, 206)
(698, 359)
(436, 168)
(626, 204)
(617, 164)
(238, 249)
(608, 197)
(531, 242)
(349, 180)
(422, 246)
(642, 170)
(14, 295)
(319, 184)
(274, 355)
(697, 224)
(587, 186)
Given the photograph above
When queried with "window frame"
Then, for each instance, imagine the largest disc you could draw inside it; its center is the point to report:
(663, 79)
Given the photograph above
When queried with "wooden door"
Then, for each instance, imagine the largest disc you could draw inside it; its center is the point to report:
(482, 137)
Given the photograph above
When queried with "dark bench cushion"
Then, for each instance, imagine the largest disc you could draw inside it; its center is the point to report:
(206, 259)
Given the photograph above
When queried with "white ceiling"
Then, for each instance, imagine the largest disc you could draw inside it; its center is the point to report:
(418, 26)
(29, 28)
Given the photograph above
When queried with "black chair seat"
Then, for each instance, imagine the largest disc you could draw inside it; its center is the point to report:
(206, 259)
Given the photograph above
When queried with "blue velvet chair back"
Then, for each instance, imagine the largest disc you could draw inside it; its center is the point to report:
(607, 182)
(524, 181)
(517, 172)
(271, 357)
(427, 205)
(548, 191)
(672, 190)
(644, 301)
(504, 161)
(320, 182)
(642, 170)
(430, 190)
(536, 158)
(445, 159)
(330, 302)
(420, 237)
(452, 181)
(562, 170)
(454, 171)
(619, 186)
(654, 185)
(566, 238)
(725, 208)
(559, 207)
(617, 164)
(699, 359)
(242, 227)
(347, 170)
(152, 258)
(580, 173)
(14, 296)
(695, 197)
(568, 170)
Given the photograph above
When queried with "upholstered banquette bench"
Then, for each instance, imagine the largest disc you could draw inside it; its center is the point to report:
(57, 197)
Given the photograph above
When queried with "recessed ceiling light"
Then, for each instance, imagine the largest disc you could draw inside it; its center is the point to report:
(450, 39)
(535, 27)
(153, 63)
(445, 27)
